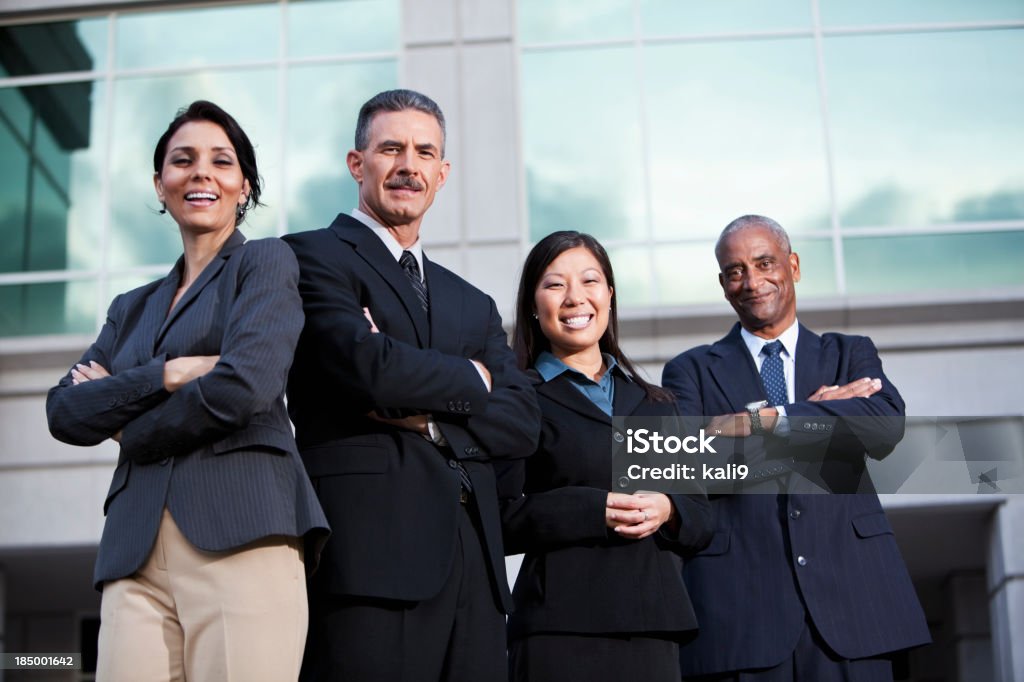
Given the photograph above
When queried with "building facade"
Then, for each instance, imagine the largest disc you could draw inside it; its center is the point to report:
(885, 135)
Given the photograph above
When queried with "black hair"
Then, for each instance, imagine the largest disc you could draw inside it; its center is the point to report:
(528, 341)
(202, 110)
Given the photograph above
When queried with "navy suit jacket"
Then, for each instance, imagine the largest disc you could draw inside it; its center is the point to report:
(578, 576)
(392, 495)
(775, 560)
(218, 453)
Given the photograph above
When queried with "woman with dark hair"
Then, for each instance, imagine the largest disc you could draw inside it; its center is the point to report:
(600, 594)
(201, 558)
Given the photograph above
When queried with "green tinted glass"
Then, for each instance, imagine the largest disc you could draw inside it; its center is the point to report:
(48, 308)
(687, 273)
(688, 17)
(582, 143)
(54, 47)
(545, 21)
(319, 184)
(868, 12)
(327, 27)
(882, 265)
(926, 128)
(734, 128)
(143, 108)
(632, 266)
(51, 214)
(196, 37)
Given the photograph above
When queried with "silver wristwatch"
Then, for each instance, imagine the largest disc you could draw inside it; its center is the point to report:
(756, 427)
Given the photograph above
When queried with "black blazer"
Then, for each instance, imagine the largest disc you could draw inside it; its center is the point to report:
(749, 587)
(218, 452)
(391, 494)
(578, 576)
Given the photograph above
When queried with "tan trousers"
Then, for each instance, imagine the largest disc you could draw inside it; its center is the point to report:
(235, 616)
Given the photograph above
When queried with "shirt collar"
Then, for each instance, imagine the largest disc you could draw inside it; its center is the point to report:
(549, 367)
(788, 339)
(394, 248)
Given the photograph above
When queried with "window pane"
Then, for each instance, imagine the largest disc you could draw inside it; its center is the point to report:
(632, 266)
(687, 273)
(927, 128)
(582, 143)
(143, 108)
(50, 308)
(195, 37)
(51, 216)
(734, 128)
(319, 184)
(817, 268)
(686, 17)
(54, 47)
(866, 12)
(326, 27)
(545, 21)
(880, 265)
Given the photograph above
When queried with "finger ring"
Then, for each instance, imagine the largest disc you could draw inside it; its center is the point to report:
(645, 515)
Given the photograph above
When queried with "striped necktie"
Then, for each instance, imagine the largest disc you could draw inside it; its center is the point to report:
(412, 271)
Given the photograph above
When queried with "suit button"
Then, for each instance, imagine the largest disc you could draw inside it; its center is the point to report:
(623, 482)
(795, 514)
(458, 405)
(453, 464)
(807, 425)
(801, 560)
(146, 388)
(112, 402)
(124, 397)
(618, 437)
(451, 405)
(466, 405)
(165, 461)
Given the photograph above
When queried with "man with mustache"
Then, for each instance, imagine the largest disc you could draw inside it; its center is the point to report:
(403, 391)
(793, 586)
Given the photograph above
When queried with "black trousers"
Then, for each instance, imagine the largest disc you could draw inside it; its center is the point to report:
(812, 661)
(456, 636)
(596, 658)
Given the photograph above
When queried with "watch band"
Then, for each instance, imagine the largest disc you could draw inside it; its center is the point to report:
(754, 410)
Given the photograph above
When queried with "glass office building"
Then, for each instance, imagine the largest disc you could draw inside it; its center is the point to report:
(886, 136)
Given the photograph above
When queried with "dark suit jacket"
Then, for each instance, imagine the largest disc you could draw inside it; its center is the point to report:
(392, 495)
(750, 590)
(578, 576)
(218, 452)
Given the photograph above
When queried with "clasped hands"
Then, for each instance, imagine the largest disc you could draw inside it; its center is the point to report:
(638, 515)
(738, 425)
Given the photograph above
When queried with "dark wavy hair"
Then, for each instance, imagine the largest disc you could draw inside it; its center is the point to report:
(202, 110)
(528, 341)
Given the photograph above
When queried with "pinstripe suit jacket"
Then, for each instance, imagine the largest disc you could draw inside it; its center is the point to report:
(750, 593)
(218, 452)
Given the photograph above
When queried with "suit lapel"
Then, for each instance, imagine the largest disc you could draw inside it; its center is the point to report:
(734, 371)
(445, 308)
(628, 396)
(371, 249)
(809, 359)
(205, 277)
(561, 391)
(154, 314)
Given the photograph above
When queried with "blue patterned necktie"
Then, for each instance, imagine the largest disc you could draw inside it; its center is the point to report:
(412, 271)
(772, 375)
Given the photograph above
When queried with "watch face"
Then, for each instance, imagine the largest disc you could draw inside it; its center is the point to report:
(756, 405)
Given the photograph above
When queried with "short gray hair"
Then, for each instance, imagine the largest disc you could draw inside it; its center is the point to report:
(749, 221)
(395, 100)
